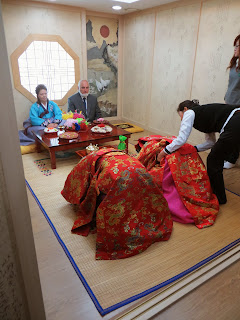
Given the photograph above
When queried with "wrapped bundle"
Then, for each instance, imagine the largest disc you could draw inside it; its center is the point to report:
(67, 116)
(70, 124)
(78, 115)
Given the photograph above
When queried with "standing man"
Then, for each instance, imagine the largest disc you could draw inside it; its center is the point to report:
(85, 102)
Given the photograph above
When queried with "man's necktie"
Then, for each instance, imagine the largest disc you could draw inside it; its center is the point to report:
(85, 105)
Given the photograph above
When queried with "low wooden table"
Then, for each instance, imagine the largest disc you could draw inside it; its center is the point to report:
(53, 143)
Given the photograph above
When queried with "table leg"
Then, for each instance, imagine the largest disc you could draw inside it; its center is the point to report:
(38, 145)
(53, 159)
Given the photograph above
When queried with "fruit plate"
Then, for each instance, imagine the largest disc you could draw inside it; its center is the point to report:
(68, 135)
(105, 129)
(50, 130)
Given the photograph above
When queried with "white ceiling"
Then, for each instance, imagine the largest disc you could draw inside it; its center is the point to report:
(106, 5)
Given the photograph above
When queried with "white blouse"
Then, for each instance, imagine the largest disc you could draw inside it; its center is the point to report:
(185, 130)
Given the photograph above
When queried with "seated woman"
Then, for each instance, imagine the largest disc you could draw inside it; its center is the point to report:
(184, 180)
(43, 113)
(116, 190)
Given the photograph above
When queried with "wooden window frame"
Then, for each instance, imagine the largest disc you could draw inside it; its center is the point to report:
(23, 47)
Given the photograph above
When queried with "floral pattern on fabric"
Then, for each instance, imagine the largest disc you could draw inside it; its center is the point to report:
(133, 213)
(189, 175)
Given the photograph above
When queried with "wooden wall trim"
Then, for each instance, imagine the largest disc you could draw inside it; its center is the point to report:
(84, 44)
(147, 113)
(120, 67)
(196, 46)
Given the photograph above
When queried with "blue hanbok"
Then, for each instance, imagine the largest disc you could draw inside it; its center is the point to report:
(39, 118)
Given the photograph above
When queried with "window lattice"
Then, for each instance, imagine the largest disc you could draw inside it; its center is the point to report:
(47, 62)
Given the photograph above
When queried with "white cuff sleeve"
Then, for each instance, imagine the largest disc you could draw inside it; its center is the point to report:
(184, 132)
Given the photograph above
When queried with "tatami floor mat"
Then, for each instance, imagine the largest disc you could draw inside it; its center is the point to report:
(232, 184)
(112, 284)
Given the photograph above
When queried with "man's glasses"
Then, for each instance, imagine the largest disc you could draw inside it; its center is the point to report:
(236, 46)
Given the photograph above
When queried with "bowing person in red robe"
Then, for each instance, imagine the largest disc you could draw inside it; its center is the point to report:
(116, 190)
(209, 119)
(183, 179)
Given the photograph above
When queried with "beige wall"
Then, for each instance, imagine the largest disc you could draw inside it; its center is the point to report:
(13, 299)
(173, 53)
(22, 20)
(20, 291)
(137, 67)
(175, 41)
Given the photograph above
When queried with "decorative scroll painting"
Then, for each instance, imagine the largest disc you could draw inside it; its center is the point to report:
(102, 55)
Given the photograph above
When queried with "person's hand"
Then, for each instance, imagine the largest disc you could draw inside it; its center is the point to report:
(160, 156)
(52, 125)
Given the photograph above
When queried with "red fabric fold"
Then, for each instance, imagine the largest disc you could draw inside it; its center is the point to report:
(178, 210)
(189, 176)
(132, 215)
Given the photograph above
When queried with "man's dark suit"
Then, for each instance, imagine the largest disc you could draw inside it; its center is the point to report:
(75, 102)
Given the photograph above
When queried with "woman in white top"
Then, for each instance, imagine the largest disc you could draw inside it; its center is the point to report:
(209, 118)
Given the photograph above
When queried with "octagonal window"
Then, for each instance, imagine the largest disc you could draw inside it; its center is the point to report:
(49, 62)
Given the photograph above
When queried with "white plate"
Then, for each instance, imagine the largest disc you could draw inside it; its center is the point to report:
(98, 129)
(47, 130)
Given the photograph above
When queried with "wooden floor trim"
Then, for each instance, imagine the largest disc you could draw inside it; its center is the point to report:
(182, 287)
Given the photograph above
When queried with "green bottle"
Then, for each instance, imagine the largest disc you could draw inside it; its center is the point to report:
(122, 143)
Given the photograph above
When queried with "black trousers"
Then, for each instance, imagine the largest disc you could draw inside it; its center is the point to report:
(232, 157)
(228, 143)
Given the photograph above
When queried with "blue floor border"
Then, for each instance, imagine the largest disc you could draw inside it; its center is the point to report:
(233, 192)
(140, 295)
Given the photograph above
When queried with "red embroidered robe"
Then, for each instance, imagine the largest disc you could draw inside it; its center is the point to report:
(132, 215)
(189, 175)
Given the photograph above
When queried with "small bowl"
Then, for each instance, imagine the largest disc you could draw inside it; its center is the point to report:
(91, 148)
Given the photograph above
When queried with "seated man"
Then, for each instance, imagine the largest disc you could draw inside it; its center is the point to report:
(184, 180)
(116, 190)
(85, 102)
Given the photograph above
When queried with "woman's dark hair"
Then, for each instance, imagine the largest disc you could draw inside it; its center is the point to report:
(38, 89)
(233, 61)
(188, 104)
